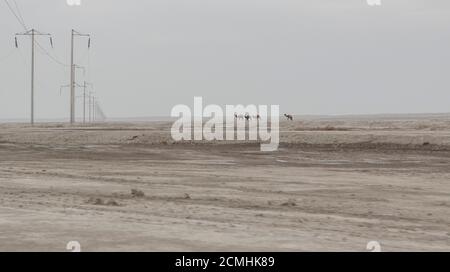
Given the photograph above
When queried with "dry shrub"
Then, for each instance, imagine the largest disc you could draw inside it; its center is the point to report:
(101, 202)
(289, 203)
(137, 193)
(96, 201)
(326, 128)
(112, 202)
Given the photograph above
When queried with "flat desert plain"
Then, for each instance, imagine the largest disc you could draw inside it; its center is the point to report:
(335, 184)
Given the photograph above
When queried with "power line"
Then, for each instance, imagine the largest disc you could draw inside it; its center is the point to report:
(20, 19)
(32, 33)
(72, 71)
(15, 15)
(22, 55)
(99, 111)
(44, 51)
(19, 12)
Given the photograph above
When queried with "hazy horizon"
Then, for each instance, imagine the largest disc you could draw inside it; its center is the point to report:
(163, 118)
(311, 57)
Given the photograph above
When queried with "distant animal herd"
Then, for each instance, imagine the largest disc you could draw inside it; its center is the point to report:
(249, 117)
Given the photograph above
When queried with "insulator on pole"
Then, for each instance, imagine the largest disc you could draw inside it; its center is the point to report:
(89, 42)
(51, 41)
(17, 44)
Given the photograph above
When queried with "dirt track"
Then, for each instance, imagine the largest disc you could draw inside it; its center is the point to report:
(326, 189)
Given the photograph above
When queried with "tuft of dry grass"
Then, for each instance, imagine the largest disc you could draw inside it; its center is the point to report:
(137, 193)
(289, 203)
(101, 202)
(112, 202)
(326, 128)
(96, 201)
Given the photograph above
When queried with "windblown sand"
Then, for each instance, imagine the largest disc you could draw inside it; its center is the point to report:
(334, 185)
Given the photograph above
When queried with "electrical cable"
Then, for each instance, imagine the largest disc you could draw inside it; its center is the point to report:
(15, 15)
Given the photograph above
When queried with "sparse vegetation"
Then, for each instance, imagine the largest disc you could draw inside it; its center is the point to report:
(112, 202)
(137, 193)
(325, 128)
(289, 203)
(101, 202)
(96, 201)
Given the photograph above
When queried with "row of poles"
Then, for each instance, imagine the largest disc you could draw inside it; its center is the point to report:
(89, 101)
(94, 109)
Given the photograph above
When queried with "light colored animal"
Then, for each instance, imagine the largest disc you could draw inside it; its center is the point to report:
(247, 117)
(239, 117)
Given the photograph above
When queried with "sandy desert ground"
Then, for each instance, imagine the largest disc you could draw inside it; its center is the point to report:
(335, 184)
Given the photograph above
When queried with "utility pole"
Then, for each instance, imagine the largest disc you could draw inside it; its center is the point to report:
(90, 106)
(32, 77)
(84, 100)
(84, 103)
(99, 112)
(93, 109)
(72, 72)
(33, 33)
(74, 85)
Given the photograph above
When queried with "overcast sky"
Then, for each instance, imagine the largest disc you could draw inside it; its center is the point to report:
(308, 56)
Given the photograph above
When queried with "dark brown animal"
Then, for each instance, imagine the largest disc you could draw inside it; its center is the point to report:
(289, 117)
